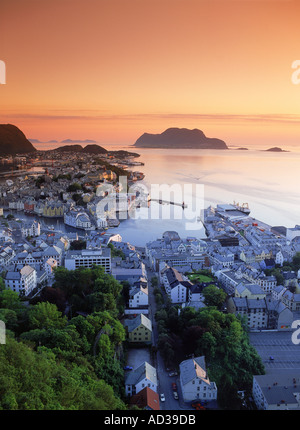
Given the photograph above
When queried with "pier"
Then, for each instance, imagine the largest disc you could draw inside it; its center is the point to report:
(183, 205)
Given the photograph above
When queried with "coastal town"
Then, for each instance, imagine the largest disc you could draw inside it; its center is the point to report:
(242, 267)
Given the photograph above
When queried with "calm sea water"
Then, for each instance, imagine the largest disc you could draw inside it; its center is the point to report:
(269, 182)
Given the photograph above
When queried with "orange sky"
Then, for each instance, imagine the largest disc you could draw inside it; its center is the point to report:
(110, 70)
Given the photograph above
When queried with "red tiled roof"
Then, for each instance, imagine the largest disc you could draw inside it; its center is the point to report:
(146, 398)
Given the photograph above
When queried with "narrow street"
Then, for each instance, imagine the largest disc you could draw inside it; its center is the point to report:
(164, 380)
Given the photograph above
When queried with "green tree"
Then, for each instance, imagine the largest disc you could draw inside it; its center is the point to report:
(213, 296)
(10, 318)
(46, 315)
(10, 299)
(34, 380)
(296, 261)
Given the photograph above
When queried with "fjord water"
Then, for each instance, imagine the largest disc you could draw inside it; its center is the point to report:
(268, 181)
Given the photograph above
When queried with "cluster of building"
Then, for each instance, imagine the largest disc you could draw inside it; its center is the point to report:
(238, 252)
(241, 251)
(72, 187)
(226, 254)
(28, 265)
(141, 384)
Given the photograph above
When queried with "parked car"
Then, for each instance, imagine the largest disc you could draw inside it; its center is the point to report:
(173, 373)
(174, 386)
(271, 358)
(198, 405)
(128, 368)
(175, 394)
(162, 398)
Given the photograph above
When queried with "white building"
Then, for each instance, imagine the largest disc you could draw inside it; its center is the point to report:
(53, 252)
(32, 229)
(138, 296)
(17, 205)
(78, 219)
(50, 265)
(88, 258)
(6, 256)
(101, 223)
(176, 285)
(277, 391)
(22, 281)
(143, 376)
(194, 381)
(279, 258)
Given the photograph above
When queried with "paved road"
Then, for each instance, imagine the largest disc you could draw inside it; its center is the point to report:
(165, 381)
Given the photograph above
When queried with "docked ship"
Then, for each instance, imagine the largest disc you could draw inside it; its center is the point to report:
(231, 212)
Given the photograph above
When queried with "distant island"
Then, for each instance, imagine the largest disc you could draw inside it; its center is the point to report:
(182, 138)
(88, 149)
(94, 149)
(13, 141)
(78, 141)
(275, 149)
(69, 141)
(241, 149)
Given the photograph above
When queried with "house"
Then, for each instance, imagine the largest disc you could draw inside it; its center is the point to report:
(50, 265)
(138, 296)
(194, 380)
(280, 317)
(277, 391)
(267, 283)
(129, 274)
(6, 256)
(247, 256)
(78, 219)
(53, 210)
(176, 285)
(195, 293)
(16, 204)
(278, 291)
(53, 252)
(261, 313)
(32, 229)
(29, 206)
(254, 309)
(146, 399)
(291, 300)
(230, 279)
(139, 329)
(143, 376)
(279, 258)
(225, 259)
(251, 291)
(22, 281)
(290, 279)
